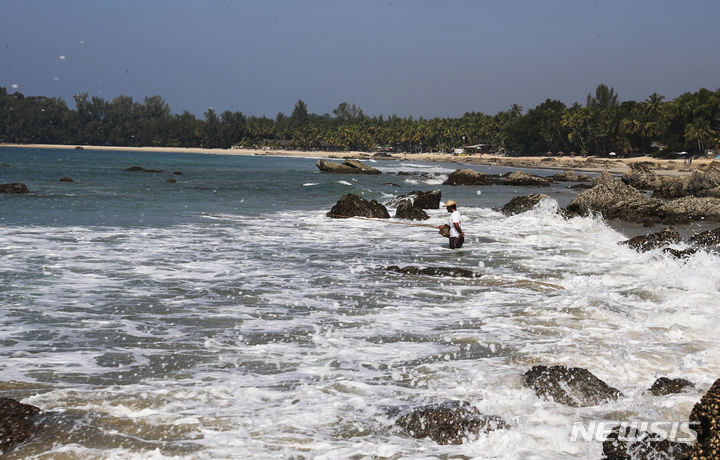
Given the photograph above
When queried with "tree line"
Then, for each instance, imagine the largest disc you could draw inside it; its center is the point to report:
(690, 122)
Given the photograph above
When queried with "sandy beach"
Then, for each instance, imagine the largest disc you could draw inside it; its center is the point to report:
(669, 167)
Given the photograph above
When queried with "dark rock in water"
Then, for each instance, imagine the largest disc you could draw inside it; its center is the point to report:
(708, 239)
(450, 422)
(177, 173)
(354, 205)
(4, 165)
(581, 186)
(141, 169)
(520, 178)
(14, 188)
(348, 167)
(706, 415)
(521, 204)
(470, 177)
(627, 442)
(382, 155)
(406, 210)
(17, 423)
(665, 386)
(680, 254)
(77, 147)
(426, 200)
(571, 386)
(66, 179)
(172, 181)
(565, 176)
(644, 243)
(434, 271)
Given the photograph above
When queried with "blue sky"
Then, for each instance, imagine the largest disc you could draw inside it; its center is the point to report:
(410, 57)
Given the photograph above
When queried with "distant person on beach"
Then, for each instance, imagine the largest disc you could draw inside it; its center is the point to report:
(457, 236)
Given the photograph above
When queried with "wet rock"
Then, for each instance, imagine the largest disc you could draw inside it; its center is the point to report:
(470, 177)
(450, 422)
(171, 181)
(17, 423)
(571, 386)
(641, 177)
(141, 169)
(382, 155)
(706, 415)
(354, 205)
(426, 200)
(565, 176)
(14, 188)
(434, 271)
(626, 443)
(665, 386)
(177, 173)
(4, 165)
(406, 210)
(680, 254)
(581, 186)
(520, 178)
(710, 238)
(78, 147)
(698, 184)
(644, 243)
(691, 209)
(520, 204)
(66, 179)
(348, 167)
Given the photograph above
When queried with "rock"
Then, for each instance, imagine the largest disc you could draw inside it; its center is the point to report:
(426, 200)
(581, 186)
(701, 183)
(348, 167)
(66, 179)
(77, 147)
(644, 243)
(172, 181)
(4, 165)
(177, 173)
(691, 209)
(616, 200)
(627, 442)
(641, 177)
(680, 254)
(571, 386)
(665, 386)
(141, 169)
(450, 422)
(354, 205)
(382, 155)
(406, 210)
(520, 178)
(434, 271)
(710, 238)
(469, 177)
(520, 204)
(14, 188)
(706, 414)
(16, 423)
(565, 176)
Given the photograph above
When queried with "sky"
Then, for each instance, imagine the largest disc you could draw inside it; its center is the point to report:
(406, 57)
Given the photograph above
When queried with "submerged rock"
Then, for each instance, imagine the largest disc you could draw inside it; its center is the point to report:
(434, 271)
(644, 243)
(520, 204)
(348, 167)
(141, 169)
(15, 187)
(706, 414)
(627, 442)
(351, 205)
(66, 179)
(665, 386)
(571, 386)
(17, 423)
(406, 210)
(450, 422)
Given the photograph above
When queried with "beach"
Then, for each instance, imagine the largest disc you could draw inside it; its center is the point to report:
(667, 167)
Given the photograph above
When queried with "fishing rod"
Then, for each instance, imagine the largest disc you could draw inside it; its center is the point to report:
(384, 220)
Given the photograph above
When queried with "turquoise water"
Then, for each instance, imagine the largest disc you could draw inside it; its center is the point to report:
(224, 316)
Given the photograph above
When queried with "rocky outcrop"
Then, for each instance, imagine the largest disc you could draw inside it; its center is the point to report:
(520, 178)
(450, 422)
(406, 210)
(434, 271)
(627, 442)
(348, 167)
(521, 204)
(569, 176)
(17, 423)
(641, 177)
(698, 184)
(664, 386)
(470, 177)
(15, 187)
(644, 243)
(426, 200)
(571, 386)
(351, 205)
(706, 414)
(691, 209)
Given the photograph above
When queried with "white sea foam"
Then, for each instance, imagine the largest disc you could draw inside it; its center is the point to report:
(296, 341)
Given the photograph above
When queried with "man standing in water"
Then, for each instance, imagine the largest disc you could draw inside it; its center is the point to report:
(457, 236)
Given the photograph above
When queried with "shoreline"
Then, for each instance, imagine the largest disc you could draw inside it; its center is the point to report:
(669, 167)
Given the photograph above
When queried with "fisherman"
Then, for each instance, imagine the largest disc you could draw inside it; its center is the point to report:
(457, 236)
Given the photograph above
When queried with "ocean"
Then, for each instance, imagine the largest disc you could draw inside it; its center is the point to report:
(225, 316)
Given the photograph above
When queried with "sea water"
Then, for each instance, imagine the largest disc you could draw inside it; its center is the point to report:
(225, 316)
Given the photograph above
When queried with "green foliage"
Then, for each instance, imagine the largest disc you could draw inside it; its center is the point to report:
(691, 122)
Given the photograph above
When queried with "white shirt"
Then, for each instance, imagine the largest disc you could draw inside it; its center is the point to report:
(454, 217)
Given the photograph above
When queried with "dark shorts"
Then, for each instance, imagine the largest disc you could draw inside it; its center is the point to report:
(456, 242)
